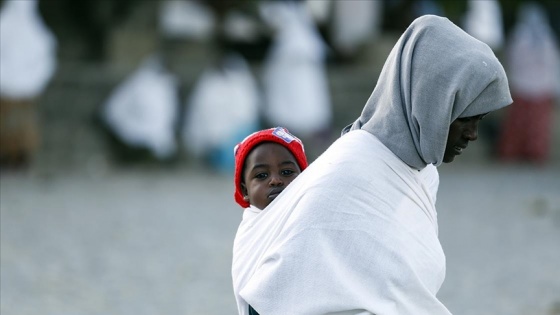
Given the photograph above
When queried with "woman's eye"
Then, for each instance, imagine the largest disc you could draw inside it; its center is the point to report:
(468, 119)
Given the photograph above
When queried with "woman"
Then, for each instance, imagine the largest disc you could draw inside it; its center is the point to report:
(356, 232)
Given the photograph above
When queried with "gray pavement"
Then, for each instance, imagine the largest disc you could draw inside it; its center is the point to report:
(159, 242)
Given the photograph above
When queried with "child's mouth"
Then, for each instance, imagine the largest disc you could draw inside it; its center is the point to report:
(274, 193)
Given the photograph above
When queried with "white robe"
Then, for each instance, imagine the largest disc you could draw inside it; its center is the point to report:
(355, 233)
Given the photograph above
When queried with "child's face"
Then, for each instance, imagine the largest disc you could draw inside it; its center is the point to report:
(269, 168)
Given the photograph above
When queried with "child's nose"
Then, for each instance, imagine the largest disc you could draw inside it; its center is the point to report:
(276, 180)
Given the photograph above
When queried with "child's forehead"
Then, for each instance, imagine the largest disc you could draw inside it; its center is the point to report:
(268, 151)
(269, 147)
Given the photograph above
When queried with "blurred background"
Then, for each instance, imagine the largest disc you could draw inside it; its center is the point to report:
(118, 120)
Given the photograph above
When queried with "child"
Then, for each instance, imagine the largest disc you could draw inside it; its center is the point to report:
(266, 162)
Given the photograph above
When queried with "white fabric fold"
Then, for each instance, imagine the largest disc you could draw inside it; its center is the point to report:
(355, 233)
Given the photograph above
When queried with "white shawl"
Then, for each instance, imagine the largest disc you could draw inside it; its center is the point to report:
(355, 233)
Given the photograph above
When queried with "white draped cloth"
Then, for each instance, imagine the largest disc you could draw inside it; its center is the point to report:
(355, 233)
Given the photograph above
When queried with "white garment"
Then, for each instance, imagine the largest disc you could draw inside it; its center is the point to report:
(240, 277)
(355, 233)
(27, 50)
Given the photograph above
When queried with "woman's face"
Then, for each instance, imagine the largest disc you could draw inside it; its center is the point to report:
(269, 168)
(461, 131)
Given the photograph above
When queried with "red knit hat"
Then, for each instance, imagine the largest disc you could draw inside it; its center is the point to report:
(278, 135)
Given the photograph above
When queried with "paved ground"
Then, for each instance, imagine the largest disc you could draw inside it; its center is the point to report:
(159, 242)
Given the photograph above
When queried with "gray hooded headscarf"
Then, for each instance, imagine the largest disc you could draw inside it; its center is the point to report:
(435, 74)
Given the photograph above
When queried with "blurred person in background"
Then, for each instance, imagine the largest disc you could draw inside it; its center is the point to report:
(483, 21)
(353, 24)
(295, 86)
(533, 63)
(357, 232)
(223, 104)
(221, 109)
(27, 64)
(141, 112)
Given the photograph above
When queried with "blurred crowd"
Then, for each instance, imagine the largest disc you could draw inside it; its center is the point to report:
(269, 68)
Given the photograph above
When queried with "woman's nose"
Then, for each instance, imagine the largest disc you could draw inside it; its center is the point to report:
(471, 131)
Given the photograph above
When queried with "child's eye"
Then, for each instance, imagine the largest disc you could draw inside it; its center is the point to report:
(261, 175)
(287, 172)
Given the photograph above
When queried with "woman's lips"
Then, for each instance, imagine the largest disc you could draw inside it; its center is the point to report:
(459, 149)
